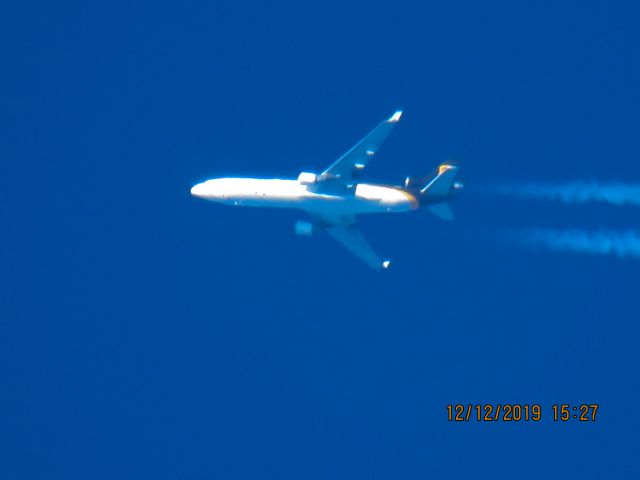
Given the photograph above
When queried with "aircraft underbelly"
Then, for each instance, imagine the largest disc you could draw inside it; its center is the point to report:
(290, 194)
(351, 205)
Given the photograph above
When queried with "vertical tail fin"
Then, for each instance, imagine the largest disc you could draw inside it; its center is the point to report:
(443, 182)
(435, 190)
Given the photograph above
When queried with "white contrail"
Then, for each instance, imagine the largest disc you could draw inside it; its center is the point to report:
(576, 192)
(622, 244)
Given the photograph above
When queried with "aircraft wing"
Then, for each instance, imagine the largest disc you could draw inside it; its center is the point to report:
(355, 242)
(356, 159)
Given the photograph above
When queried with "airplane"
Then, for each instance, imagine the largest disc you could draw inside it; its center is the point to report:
(333, 198)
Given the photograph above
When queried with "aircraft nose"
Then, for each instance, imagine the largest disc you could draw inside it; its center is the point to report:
(197, 190)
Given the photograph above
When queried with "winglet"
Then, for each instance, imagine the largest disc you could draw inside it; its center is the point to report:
(386, 264)
(395, 118)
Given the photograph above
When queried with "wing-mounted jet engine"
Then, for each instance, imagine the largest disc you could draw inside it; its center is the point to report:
(307, 178)
(304, 229)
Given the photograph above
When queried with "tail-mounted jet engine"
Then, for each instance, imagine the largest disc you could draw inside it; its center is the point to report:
(304, 228)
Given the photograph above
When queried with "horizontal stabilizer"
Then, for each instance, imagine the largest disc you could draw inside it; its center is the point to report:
(442, 211)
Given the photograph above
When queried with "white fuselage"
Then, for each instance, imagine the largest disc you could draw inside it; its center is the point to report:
(254, 192)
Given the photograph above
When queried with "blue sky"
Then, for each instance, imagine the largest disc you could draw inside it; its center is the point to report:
(145, 333)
